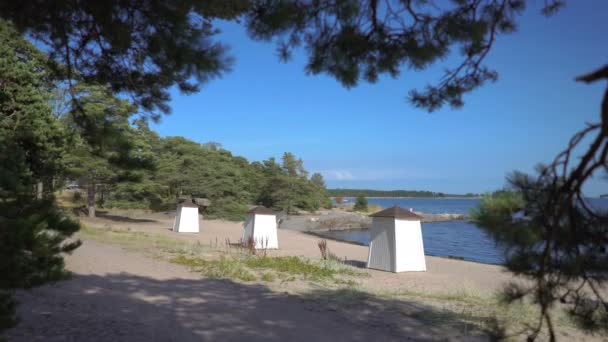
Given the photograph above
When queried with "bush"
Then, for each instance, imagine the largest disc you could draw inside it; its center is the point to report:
(7, 310)
(361, 203)
(77, 197)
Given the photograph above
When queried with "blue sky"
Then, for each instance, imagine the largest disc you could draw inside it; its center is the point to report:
(371, 137)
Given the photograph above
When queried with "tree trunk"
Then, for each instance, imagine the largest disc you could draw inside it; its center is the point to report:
(91, 199)
(39, 190)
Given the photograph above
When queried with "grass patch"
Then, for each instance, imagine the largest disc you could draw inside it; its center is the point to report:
(463, 301)
(467, 319)
(220, 268)
(268, 277)
(240, 266)
(291, 265)
(142, 240)
(372, 208)
(306, 268)
(476, 310)
(266, 268)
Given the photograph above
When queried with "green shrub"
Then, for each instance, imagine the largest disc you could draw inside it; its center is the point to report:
(77, 197)
(7, 310)
(361, 203)
(229, 268)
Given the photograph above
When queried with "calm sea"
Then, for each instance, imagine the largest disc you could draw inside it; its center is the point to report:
(459, 239)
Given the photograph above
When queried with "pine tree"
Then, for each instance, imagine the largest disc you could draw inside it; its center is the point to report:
(360, 203)
(103, 140)
(32, 143)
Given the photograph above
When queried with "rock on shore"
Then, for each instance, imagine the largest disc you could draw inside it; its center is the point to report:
(339, 219)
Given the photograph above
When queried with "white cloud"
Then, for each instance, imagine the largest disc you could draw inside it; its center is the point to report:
(363, 174)
(337, 175)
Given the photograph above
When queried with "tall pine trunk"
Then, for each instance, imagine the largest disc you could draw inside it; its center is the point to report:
(39, 190)
(91, 199)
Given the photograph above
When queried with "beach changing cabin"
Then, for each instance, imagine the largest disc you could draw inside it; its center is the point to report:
(261, 226)
(186, 217)
(396, 241)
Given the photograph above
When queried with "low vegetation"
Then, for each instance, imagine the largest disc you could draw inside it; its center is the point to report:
(224, 267)
(467, 312)
(229, 261)
(360, 203)
(141, 241)
(247, 267)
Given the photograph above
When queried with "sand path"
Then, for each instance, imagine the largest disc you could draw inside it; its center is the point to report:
(116, 295)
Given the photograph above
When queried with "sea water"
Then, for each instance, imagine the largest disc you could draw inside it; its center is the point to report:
(457, 238)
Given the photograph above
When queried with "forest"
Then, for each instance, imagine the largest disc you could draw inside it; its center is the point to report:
(172, 168)
(88, 135)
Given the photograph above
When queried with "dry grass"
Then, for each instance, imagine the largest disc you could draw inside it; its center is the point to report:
(221, 268)
(142, 241)
(238, 261)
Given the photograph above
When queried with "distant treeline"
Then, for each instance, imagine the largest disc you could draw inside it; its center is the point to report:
(392, 193)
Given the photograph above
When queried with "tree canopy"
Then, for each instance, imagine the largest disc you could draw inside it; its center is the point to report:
(145, 47)
(138, 47)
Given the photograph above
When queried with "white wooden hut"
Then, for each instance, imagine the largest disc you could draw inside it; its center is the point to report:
(186, 218)
(396, 241)
(261, 226)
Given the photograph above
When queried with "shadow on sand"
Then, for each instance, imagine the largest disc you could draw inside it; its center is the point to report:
(123, 307)
(82, 211)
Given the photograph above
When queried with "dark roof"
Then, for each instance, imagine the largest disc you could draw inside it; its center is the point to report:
(397, 212)
(188, 204)
(261, 210)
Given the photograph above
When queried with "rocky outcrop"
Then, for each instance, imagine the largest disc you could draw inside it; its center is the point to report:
(441, 217)
(337, 219)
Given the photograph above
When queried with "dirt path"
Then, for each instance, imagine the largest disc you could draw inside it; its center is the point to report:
(117, 295)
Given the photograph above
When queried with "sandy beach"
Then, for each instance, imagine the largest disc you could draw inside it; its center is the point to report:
(122, 295)
(442, 274)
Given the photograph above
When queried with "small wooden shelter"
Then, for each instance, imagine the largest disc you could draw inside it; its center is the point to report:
(396, 241)
(186, 217)
(261, 226)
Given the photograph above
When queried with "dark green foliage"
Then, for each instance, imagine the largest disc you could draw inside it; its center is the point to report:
(140, 47)
(322, 199)
(106, 149)
(555, 240)
(146, 47)
(32, 236)
(32, 143)
(287, 186)
(185, 168)
(392, 193)
(360, 203)
(7, 310)
(552, 235)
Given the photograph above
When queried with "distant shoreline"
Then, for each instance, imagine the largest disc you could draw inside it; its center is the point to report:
(410, 197)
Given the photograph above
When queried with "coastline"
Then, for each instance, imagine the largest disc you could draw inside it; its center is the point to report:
(321, 234)
(401, 197)
(343, 219)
